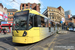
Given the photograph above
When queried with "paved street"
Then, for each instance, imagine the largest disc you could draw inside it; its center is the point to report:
(64, 41)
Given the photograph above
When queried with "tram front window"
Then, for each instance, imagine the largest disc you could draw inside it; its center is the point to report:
(20, 21)
(20, 24)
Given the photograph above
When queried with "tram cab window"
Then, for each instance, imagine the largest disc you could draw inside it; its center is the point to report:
(30, 21)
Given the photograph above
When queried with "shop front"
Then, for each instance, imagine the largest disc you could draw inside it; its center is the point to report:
(6, 25)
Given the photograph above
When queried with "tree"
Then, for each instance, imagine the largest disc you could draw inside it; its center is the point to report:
(39, 4)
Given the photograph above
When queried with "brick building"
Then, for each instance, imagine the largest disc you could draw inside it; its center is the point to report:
(10, 14)
(30, 6)
(55, 14)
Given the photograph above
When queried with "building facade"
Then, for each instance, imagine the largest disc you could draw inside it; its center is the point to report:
(68, 14)
(55, 14)
(30, 6)
(3, 19)
(10, 14)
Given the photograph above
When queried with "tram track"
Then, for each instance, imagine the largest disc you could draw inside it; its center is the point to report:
(36, 44)
(24, 46)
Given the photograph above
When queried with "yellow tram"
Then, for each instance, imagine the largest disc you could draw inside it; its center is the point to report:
(29, 26)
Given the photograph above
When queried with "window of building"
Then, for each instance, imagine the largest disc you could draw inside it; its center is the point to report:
(30, 5)
(52, 13)
(22, 6)
(55, 17)
(26, 4)
(52, 17)
(11, 13)
(30, 8)
(8, 13)
(49, 9)
(26, 7)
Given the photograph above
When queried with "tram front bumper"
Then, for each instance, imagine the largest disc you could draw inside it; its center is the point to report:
(24, 40)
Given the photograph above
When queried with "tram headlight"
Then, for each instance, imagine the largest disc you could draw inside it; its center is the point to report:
(25, 33)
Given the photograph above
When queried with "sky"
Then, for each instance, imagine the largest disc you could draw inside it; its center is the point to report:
(65, 4)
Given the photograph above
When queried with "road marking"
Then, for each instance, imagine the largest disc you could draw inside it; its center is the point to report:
(45, 48)
(39, 46)
(57, 43)
(62, 39)
(15, 48)
(56, 35)
(51, 48)
(68, 49)
(52, 42)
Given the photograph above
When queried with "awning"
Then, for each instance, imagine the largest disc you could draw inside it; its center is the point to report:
(6, 25)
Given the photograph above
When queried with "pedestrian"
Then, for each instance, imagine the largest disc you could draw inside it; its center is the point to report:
(4, 31)
(30, 26)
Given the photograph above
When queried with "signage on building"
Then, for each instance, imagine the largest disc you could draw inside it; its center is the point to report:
(3, 22)
(10, 23)
(69, 16)
(3, 16)
(63, 20)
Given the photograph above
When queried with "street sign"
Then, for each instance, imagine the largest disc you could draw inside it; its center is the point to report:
(1, 14)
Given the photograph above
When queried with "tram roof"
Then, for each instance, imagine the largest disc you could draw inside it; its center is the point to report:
(33, 11)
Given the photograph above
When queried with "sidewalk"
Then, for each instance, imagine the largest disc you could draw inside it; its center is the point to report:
(63, 31)
(5, 35)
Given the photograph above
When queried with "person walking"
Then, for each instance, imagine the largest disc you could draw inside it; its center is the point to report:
(4, 31)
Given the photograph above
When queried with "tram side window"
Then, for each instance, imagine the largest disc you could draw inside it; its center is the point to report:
(39, 20)
(42, 22)
(46, 22)
(52, 24)
(35, 21)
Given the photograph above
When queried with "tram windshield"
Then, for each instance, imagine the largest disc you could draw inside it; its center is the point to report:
(20, 20)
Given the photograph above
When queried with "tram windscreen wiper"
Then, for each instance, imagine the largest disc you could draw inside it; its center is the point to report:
(17, 31)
